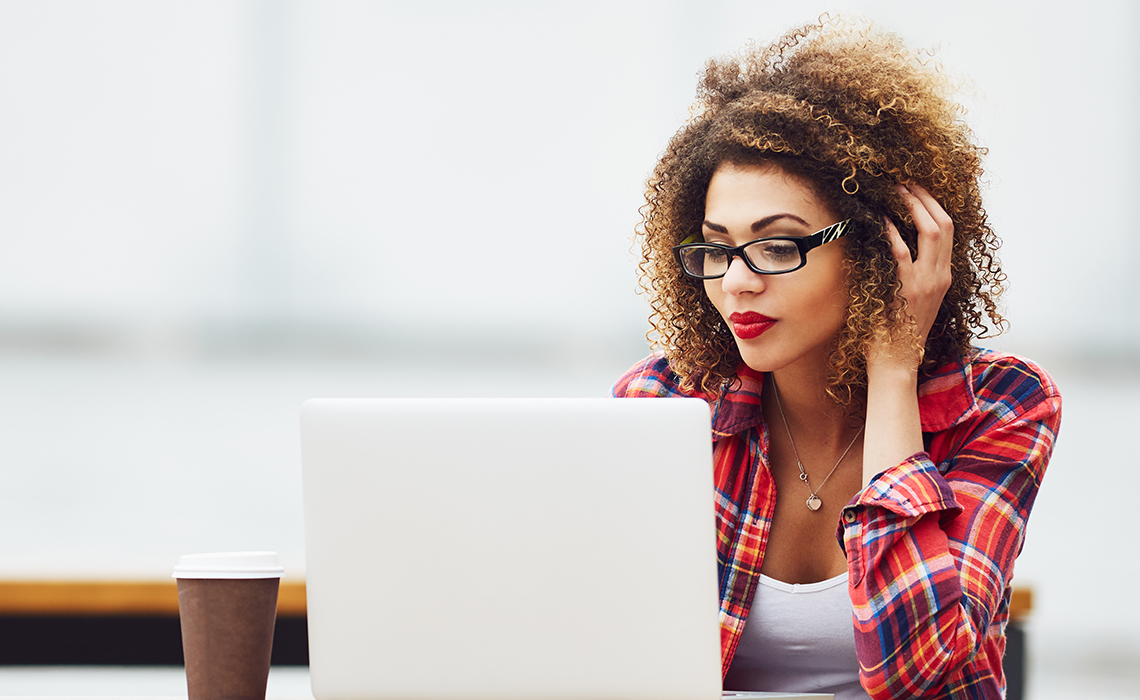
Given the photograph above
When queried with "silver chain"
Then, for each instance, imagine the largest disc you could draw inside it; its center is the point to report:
(813, 501)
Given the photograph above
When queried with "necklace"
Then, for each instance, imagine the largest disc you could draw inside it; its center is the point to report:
(813, 502)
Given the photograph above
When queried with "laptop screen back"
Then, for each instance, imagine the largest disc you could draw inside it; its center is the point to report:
(510, 548)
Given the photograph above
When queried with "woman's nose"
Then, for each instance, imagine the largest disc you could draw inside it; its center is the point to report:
(740, 279)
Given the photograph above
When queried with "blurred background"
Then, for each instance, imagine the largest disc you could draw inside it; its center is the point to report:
(211, 211)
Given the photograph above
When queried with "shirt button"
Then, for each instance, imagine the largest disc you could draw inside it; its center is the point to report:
(849, 516)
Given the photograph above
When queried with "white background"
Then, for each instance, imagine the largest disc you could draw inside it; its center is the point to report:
(210, 211)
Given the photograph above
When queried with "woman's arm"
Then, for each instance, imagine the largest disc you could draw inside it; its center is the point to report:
(893, 430)
(931, 551)
(931, 548)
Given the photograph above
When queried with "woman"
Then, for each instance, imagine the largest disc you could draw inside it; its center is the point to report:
(818, 262)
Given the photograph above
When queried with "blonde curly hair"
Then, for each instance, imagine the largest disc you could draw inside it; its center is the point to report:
(853, 112)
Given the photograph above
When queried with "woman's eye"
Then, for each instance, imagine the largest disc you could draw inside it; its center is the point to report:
(715, 256)
(778, 251)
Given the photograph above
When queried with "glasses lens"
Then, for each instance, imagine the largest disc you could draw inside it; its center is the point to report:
(773, 255)
(704, 261)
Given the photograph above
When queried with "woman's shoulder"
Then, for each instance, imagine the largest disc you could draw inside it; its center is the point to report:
(1006, 373)
(1009, 384)
(649, 378)
(989, 385)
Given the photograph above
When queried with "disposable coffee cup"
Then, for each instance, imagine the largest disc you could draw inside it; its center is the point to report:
(227, 605)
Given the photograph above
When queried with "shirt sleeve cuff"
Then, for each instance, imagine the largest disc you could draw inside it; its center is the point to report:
(911, 489)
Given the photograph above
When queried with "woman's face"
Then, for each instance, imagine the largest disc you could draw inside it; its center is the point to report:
(779, 321)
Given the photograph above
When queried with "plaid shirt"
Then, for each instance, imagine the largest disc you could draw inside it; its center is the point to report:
(930, 543)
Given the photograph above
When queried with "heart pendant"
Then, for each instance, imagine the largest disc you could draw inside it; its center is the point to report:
(813, 503)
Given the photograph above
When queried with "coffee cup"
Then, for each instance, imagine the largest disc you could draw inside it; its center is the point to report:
(227, 605)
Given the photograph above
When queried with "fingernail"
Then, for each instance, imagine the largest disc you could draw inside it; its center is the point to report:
(902, 189)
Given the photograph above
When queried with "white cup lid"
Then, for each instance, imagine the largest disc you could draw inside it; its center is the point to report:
(229, 565)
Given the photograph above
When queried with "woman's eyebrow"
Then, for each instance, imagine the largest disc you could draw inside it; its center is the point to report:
(760, 224)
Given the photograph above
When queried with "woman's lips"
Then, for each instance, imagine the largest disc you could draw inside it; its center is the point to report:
(750, 324)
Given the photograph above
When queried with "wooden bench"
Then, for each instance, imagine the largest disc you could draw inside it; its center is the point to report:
(128, 598)
(119, 623)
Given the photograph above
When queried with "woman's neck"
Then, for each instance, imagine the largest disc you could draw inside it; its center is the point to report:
(811, 413)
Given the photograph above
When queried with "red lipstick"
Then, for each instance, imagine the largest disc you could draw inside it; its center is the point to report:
(750, 324)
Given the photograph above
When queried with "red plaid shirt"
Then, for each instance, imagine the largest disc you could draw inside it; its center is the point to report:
(930, 543)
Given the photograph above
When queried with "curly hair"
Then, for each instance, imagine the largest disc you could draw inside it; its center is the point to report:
(853, 112)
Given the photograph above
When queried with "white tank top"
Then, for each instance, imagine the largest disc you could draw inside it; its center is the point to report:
(798, 638)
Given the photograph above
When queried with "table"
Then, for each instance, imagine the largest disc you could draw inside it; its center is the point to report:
(136, 682)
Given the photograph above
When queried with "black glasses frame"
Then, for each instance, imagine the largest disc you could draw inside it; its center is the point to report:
(804, 243)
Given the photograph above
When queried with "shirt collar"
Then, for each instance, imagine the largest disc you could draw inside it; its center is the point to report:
(945, 399)
(946, 395)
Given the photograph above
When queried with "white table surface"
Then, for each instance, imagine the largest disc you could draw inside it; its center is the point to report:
(164, 683)
(136, 682)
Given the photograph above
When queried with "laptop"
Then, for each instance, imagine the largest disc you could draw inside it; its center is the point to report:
(502, 549)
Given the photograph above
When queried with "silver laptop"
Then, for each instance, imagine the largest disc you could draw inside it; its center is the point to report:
(501, 549)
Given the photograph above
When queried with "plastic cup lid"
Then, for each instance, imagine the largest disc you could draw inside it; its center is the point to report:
(229, 565)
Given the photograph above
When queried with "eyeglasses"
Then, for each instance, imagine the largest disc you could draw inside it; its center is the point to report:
(764, 256)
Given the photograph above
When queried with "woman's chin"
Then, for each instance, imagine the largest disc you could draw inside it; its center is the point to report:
(759, 361)
(773, 357)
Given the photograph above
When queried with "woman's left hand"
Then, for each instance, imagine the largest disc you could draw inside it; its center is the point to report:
(924, 279)
(894, 426)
